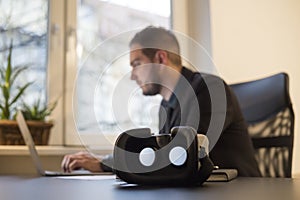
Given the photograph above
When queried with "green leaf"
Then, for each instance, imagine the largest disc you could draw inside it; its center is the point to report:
(16, 72)
(52, 106)
(38, 111)
(5, 91)
(2, 73)
(8, 75)
(21, 91)
(5, 111)
(27, 107)
(9, 68)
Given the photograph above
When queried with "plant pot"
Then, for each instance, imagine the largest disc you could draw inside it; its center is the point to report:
(10, 133)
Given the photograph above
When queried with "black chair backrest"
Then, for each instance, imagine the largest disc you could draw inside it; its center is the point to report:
(267, 108)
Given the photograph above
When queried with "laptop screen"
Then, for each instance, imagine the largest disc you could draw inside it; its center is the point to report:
(29, 142)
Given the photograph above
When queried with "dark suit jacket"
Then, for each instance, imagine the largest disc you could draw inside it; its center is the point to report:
(206, 103)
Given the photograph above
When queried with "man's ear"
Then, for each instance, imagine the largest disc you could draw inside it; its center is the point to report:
(160, 59)
(161, 56)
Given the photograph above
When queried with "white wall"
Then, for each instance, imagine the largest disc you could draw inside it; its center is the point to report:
(256, 38)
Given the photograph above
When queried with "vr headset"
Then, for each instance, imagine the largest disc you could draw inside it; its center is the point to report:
(178, 158)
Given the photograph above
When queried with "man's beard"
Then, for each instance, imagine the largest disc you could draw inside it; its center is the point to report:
(152, 89)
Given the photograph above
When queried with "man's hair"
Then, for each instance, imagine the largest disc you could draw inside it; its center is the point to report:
(151, 39)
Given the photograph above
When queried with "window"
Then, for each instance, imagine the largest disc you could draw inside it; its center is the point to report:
(104, 29)
(26, 26)
(57, 39)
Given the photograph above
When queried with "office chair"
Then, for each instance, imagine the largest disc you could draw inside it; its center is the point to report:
(267, 108)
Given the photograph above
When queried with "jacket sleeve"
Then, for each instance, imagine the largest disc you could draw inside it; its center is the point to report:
(107, 163)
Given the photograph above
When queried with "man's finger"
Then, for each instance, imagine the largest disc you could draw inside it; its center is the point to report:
(64, 163)
(75, 164)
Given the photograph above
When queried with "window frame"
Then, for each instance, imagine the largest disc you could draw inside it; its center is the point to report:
(55, 67)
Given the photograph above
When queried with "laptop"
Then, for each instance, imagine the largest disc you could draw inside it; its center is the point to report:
(36, 159)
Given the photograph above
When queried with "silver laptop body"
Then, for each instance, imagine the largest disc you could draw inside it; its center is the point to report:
(35, 157)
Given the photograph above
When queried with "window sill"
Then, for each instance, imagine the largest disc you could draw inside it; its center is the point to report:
(18, 150)
(15, 159)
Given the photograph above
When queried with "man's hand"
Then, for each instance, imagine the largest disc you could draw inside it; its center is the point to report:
(83, 160)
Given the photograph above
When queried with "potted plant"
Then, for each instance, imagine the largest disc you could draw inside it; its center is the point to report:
(10, 96)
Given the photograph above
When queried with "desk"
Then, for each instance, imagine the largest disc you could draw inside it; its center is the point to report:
(46, 188)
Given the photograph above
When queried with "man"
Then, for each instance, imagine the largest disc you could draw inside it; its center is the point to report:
(188, 100)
